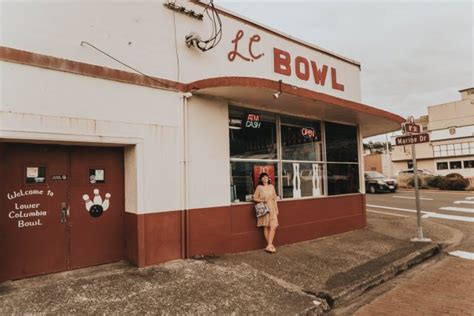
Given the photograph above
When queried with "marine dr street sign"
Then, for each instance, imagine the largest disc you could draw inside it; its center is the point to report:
(412, 139)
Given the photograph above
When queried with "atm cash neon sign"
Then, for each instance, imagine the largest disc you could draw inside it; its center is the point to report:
(253, 121)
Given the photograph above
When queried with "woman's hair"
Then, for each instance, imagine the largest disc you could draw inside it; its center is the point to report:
(264, 174)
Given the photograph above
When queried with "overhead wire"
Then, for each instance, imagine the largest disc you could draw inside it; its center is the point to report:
(126, 65)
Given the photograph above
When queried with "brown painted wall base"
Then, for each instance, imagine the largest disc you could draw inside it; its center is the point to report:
(153, 238)
(231, 229)
(159, 237)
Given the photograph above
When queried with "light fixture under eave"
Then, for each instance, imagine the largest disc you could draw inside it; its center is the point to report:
(276, 95)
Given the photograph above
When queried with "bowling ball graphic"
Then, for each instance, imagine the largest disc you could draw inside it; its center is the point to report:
(96, 210)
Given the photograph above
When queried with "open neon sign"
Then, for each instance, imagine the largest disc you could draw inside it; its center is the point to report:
(308, 132)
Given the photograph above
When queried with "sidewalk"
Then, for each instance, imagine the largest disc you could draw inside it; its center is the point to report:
(445, 288)
(292, 281)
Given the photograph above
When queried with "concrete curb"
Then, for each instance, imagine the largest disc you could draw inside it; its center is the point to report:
(387, 273)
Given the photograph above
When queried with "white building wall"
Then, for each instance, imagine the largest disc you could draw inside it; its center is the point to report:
(209, 165)
(43, 105)
(142, 34)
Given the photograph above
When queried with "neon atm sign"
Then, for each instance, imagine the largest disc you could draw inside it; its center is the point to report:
(303, 69)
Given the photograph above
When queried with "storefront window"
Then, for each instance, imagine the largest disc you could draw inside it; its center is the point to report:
(244, 178)
(291, 151)
(252, 134)
(341, 143)
(302, 179)
(301, 139)
(343, 178)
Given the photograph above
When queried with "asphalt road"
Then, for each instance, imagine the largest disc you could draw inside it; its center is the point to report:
(454, 209)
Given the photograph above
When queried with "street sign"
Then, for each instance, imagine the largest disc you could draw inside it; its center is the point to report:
(412, 139)
(412, 134)
(411, 128)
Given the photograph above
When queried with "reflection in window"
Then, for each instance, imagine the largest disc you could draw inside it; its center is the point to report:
(341, 143)
(442, 165)
(244, 178)
(302, 179)
(468, 163)
(455, 165)
(343, 178)
(252, 134)
(301, 139)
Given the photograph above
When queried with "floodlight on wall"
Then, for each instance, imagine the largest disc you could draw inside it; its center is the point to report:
(277, 94)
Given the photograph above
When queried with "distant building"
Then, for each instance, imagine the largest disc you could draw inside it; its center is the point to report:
(379, 162)
(451, 146)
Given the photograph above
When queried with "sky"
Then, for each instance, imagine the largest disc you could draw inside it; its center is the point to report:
(413, 53)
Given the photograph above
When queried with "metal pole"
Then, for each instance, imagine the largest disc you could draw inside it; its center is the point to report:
(417, 195)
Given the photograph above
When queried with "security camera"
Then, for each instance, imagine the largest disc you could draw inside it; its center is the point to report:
(276, 95)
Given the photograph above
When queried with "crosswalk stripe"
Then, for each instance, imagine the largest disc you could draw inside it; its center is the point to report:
(457, 209)
(470, 198)
(385, 213)
(463, 202)
(412, 197)
(462, 254)
(451, 217)
(395, 208)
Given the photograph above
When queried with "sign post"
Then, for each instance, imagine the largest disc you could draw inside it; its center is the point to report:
(412, 135)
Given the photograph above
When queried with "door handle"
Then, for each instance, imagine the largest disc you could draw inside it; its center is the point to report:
(64, 212)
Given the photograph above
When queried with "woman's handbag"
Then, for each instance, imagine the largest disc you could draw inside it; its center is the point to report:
(261, 209)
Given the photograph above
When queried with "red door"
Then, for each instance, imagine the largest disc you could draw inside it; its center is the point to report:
(96, 234)
(46, 225)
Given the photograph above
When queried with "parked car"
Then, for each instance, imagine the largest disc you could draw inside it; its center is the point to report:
(377, 182)
(420, 171)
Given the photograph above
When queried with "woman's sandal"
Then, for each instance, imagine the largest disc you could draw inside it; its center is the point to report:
(270, 249)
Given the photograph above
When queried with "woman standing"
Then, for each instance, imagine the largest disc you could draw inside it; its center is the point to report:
(265, 192)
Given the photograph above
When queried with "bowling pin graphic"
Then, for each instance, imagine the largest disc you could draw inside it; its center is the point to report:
(88, 201)
(296, 180)
(97, 197)
(106, 203)
(315, 180)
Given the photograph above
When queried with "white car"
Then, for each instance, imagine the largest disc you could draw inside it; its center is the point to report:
(420, 171)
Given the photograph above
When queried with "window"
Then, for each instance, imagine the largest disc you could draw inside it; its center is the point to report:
(253, 149)
(455, 165)
(302, 179)
(341, 143)
(410, 164)
(35, 174)
(468, 164)
(442, 165)
(465, 149)
(244, 178)
(252, 134)
(301, 139)
(96, 176)
(457, 149)
(291, 151)
(301, 146)
(343, 178)
(342, 158)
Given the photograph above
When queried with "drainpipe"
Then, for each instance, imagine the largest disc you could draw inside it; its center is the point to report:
(184, 179)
